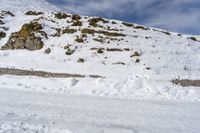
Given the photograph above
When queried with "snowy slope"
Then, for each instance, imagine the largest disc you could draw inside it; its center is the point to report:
(143, 65)
(24, 5)
(136, 64)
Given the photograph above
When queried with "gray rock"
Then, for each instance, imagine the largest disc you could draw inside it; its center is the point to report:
(47, 51)
(25, 38)
(30, 43)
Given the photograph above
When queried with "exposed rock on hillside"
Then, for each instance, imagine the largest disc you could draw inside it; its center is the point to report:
(34, 13)
(136, 60)
(25, 38)
(2, 35)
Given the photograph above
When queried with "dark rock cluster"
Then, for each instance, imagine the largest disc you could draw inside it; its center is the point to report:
(25, 38)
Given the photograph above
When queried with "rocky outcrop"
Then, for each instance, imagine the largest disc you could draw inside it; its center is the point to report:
(2, 35)
(30, 43)
(25, 38)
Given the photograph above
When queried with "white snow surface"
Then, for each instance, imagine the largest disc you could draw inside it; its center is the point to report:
(133, 97)
(33, 112)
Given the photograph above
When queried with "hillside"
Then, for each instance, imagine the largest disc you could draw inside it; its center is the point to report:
(135, 61)
(67, 73)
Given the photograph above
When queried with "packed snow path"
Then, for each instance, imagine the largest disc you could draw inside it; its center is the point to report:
(28, 111)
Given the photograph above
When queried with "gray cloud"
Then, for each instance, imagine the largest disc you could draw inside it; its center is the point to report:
(175, 15)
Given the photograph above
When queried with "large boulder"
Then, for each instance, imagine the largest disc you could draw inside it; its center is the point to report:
(25, 38)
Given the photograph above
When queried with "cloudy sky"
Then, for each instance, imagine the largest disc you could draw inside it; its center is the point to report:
(174, 15)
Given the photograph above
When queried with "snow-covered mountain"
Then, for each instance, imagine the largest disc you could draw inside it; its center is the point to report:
(25, 5)
(135, 61)
(64, 73)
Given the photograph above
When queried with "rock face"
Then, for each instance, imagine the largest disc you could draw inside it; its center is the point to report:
(30, 43)
(2, 35)
(25, 38)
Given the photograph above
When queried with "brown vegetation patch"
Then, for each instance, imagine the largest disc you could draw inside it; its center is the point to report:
(1, 22)
(194, 39)
(69, 49)
(7, 13)
(76, 17)
(69, 31)
(110, 29)
(84, 35)
(114, 49)
(164, 32)
(58, 32)
(4, 28)
(77, 23)
(95, 48)
(137, 60)
(100, 50)
(88, 31)
(43, 74)
(44, 34)
(113, 22)
(81, 60)
(60, 15)
(101, 40)
(106, 33)
(179, 34)
(127, 24)
(148, 37)
(110, 49)
(33, 13)
(141, 28)
(127, 49)
(29, 28)
(94, 22)
(148, 68)
(79, 39)
(119, 63)
(2, 35)
(135, 54)
(186, 82)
